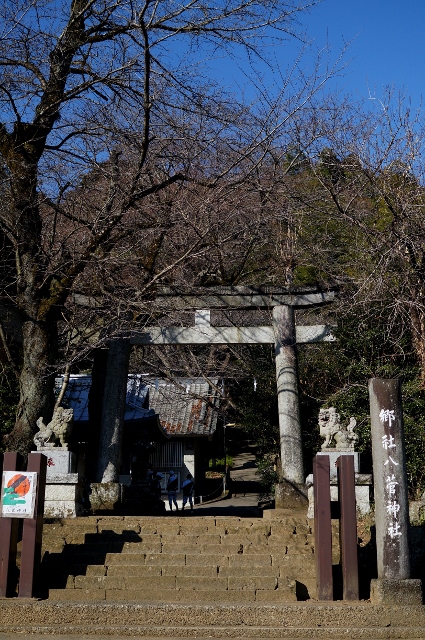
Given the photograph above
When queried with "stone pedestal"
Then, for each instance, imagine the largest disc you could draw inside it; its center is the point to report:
(64, 486)
(105, 496)
(64, 497)
(363, 485)
(59, 461)
(289, 495)
(333, 457)
(396, 592)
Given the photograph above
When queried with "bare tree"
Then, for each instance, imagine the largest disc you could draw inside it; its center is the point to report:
(362, 216)
(105, 85)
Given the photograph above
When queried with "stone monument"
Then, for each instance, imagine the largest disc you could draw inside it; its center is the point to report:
(340, 440)
(64, 487)
(394, 584)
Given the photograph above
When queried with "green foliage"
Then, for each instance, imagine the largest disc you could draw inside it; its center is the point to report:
(295, 161)
(414, 432)
(305, 274)
(330, 166)
(337, 374)
(384, 217)
(217, 464)
(258, 413)
(257, 409)
(267, 470)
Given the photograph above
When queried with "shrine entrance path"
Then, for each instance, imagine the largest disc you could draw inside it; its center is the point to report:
(246, 490)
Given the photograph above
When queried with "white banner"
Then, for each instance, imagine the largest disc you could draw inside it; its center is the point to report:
(18, 491)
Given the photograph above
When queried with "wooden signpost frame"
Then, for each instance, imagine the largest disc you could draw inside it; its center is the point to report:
(31, 534)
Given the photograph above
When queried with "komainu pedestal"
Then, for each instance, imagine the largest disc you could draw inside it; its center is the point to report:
(340, 440)
(64, 486)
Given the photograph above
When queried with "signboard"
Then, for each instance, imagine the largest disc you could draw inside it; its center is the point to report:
(18, 491)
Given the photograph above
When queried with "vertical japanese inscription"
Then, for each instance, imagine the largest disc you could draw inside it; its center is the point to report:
(390, 484)
(390, 470)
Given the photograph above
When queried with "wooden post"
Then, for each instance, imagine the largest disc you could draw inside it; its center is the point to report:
(33, 531)
(12, 461)
(322, 527)
(348, 527)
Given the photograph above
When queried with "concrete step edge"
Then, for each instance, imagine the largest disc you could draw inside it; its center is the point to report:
(155, 593)
(202, 594)
(235, 632)
(279, 615)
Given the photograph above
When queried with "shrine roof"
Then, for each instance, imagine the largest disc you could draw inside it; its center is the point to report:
(183, 407)
(77, 397)
(186, 407)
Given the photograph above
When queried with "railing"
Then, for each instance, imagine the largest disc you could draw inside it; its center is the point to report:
(219, 492)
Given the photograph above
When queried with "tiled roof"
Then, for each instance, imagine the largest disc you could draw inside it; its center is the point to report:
(187, 407)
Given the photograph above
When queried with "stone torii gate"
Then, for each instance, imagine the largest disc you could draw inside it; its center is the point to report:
(283, 333)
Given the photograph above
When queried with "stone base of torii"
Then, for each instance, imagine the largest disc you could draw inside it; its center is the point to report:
(283, 333)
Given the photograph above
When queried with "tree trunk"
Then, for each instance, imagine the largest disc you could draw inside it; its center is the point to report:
(36, 383)
(37, 307)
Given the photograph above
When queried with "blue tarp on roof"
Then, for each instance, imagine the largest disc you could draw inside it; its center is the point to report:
(77, 397)
(184, 408)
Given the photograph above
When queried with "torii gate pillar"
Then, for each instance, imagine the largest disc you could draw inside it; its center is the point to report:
(288, 395)
(291, 493)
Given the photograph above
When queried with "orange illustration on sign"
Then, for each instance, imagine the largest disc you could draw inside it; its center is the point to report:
(20, 484)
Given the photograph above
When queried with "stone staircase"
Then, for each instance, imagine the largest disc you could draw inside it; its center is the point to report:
(192, 577)
(179, 559)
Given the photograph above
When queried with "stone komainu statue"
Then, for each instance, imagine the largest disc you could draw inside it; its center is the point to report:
(333, 432)
(57, 432)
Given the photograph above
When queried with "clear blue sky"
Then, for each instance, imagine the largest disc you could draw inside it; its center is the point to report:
(387, 47)
(388, 43)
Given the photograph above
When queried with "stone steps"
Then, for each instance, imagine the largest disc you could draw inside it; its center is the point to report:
(175, 560)
(195, 577)
(298, 620)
